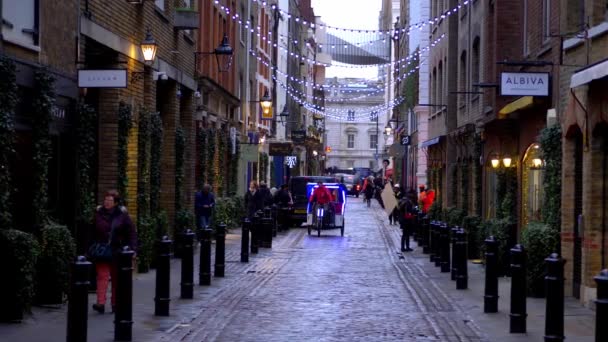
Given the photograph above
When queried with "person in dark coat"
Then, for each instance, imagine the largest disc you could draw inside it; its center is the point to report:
(113, 225)
(250, 204)
(262, 197)
(204, 202)
(407, 219)
(284, 201)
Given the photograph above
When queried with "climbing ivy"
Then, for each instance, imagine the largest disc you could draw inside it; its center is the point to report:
(8, 103)
(86, 138)
(234, 170)
(180, 148)
(211, 155)
(125, 124)
(454, 184)
(551, 147)
(42, 106)
(506, 188)
(201, 142)
(156, 148)
(264, 166)
(464, 185)
(219, 161)
(145, 224)
(477, 175)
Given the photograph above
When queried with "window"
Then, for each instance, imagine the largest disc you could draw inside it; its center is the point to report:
(351, 115)
(373, 116)
(525, 30)
(350, 143)
(463, 77)
(476, 63)
(243, 30)
(350, 163)
(440, 84)
(160, 4)
(373, 141)
(20, 21)
(546, 21)
(372, 164)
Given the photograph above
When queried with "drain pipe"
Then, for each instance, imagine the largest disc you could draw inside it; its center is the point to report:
(604, 204)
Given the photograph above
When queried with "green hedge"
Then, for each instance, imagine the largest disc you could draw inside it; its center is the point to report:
(435, 211)
(500, 229)
(19, 253)
(146, 240)
(475, 236)
(229, 210)
(57, 250)
(540, 240)
(454, 216)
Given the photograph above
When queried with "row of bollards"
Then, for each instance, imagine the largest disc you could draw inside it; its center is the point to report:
(447, 249)
(78, 298)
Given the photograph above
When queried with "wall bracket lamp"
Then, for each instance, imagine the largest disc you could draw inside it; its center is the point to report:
(223, 55)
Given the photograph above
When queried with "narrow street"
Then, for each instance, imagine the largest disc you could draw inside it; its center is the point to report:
(331, 288)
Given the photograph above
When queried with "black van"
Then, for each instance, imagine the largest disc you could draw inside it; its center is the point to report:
(297, 186)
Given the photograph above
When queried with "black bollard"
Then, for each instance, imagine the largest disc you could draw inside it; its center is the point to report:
(432, 240)
(554, 287)
(425, 235)
(204, 267)
(255, 233)
(462, 275)
(162, 296)
(437, 244)
(123, 319)
(518, 313)
(220, 250)
(187, 281)
(445, 248)
(275, 225)
(245, 240)
(78, 304)
(266, 235)
(454, 269)
(601, 306)
(490, 298)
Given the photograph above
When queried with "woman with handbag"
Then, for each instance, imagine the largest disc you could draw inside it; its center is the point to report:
(113, 230)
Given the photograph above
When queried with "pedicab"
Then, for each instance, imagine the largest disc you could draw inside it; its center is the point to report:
(330, 216)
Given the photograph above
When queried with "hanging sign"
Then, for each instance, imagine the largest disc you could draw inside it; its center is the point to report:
(279, 149)
(109, 78)
(298, 137)
(524, 84)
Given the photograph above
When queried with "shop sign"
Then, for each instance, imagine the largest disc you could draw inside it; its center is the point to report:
(279, 149)
(524, 84)
(298, 137)
(291, 161)
(109, 78)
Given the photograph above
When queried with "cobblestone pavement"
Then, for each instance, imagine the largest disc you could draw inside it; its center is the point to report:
(330, 288)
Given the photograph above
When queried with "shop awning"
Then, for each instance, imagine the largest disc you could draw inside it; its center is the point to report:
(431, 141)
(590, 73)
(519, 104)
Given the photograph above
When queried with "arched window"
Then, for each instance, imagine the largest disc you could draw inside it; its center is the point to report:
(532, 184)
(475, 63)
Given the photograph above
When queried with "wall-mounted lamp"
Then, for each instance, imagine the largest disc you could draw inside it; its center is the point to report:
(388, 129)
(495, 162)
(223, 55)
(148, 47)
(266, 102)
(506, 161)
(537, 163)
(315, 153)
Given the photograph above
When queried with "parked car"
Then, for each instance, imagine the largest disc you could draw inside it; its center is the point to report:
(352, 183)
(297, 186)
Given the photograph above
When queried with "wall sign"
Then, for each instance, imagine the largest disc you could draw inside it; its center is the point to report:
(279, 149)
(524, 84)
(109, 78)
(291, 161)
(298, 137)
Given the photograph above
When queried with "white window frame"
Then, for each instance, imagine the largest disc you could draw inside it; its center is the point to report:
(19, 24)
(350, 140)
(373, 138)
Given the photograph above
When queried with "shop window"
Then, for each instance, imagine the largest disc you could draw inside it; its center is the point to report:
(20, 22)
(532, 185)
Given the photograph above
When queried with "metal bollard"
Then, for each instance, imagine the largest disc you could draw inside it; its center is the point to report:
(187, 281)
(220, 250)
(454, 269)
(204, 267)
(275, 227)
(425, 235)
(123, 319)
(437, 244)
(518, 313)
(162, 296)
(266, 235)
(444, 240)
(78, 301)
(490, 298)
(601, 306)
(245, 240)
(462, 276)
(255, 233)
(554, 285)
(432, 240)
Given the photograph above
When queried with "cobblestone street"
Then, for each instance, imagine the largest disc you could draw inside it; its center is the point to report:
(331, 288)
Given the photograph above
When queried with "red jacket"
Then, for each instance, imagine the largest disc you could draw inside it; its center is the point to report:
(321, 195)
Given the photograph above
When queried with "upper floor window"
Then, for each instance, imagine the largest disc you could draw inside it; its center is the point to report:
(350, 143)
(546, 21)
(373, 141)
(373, 116)
(475, 63)
(20, 21)
(351, 115)
(160, 4)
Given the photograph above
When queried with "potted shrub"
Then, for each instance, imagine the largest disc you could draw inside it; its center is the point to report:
(57, 250)
(540, 240)
(501, 230)
(475, 236)
(19, 251)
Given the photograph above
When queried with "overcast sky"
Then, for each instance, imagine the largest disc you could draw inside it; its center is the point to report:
(350, 14)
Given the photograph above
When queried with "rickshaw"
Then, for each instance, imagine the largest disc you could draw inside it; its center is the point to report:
(333, 217)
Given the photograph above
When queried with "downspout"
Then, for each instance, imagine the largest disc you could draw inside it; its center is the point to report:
(605, 157)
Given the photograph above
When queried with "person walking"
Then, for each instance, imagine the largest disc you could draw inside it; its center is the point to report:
(204, 202)
(284, 201)
(263, 197)
(407, 214)
(368, 189)
(113, 230)
(393, 218)
(250, 204)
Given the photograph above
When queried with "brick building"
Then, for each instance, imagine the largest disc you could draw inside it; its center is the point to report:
(110, 37)
(583, 114)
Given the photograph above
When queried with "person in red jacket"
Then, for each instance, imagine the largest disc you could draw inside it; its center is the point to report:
(427, 202)
(321, 197)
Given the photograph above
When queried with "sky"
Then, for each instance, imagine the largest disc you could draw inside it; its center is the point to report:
(356, 14)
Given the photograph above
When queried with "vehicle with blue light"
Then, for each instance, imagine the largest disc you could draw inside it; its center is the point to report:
(298, 189)
(330, 216)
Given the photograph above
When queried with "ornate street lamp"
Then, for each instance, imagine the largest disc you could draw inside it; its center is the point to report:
(495, 162)
(266, 102)
(506, 161)
(223, 55)
(148, 47)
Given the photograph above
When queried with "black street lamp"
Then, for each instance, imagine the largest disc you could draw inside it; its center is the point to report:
(223, 55)
(148, 47)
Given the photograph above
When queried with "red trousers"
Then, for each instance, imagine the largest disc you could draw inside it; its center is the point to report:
(105, 270)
